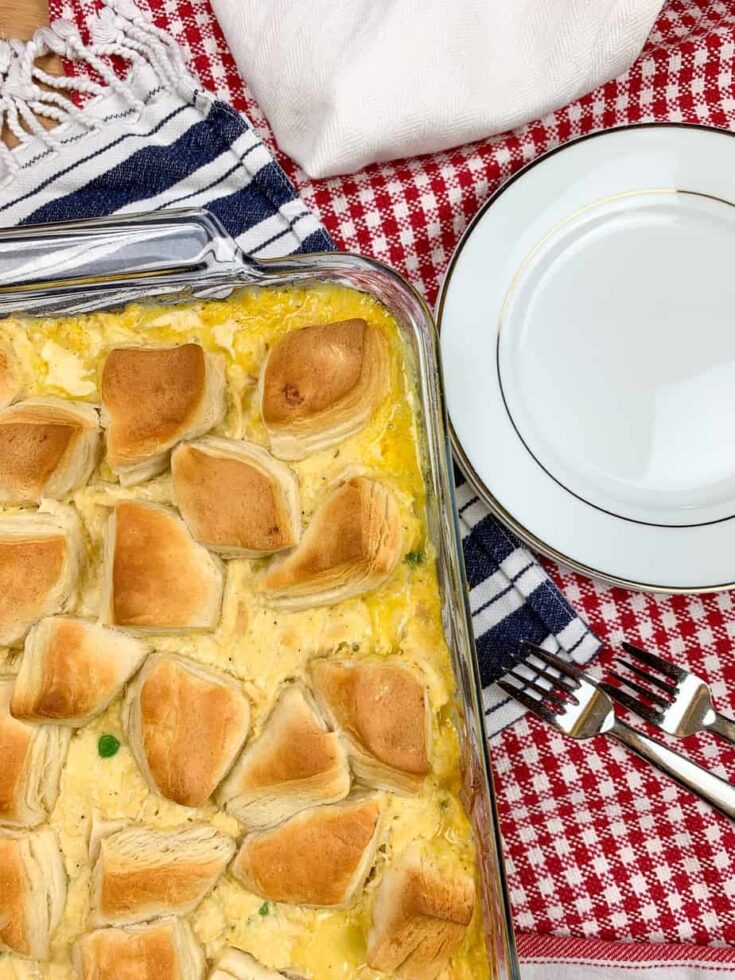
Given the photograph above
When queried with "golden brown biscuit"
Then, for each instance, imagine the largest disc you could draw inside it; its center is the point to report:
(351, 546)
(31, 759)
(383, 710)
(140, 874)
(32, 892)
(164, 950)
(420, 917)
(321, 384)
(152, 398)
(48, 447)
(157, 578)
(319, 857)
(185, 724)
(294, 763)
(236, 498)
(40, 560)
(71, 670)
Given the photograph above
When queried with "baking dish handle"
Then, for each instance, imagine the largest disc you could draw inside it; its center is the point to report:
(168, 249)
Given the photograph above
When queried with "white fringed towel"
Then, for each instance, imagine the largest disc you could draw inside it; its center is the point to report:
(345, 83)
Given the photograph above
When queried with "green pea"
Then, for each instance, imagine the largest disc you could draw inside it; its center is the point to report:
(107, 746)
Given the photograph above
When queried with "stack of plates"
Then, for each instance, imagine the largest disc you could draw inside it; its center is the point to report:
(588, 337)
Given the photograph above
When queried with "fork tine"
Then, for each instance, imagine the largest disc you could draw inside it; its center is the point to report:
(648, 676)
(657, 663)
(563, 666)
(560, 682)
(639, 689)
(534, 705)
(631, 703)
(552, 694)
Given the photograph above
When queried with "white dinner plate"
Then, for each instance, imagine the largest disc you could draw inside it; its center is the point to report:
(588, 340)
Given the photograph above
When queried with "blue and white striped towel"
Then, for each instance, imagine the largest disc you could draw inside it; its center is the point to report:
(512, 600)
(155, 139)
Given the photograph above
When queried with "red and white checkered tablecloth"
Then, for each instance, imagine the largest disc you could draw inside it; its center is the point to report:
(598, 844)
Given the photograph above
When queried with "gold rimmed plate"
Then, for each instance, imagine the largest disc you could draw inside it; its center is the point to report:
(588, 340)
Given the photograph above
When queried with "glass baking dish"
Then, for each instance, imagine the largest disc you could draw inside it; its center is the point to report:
(177, 256)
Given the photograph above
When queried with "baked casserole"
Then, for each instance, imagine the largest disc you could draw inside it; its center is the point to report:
(227, 708)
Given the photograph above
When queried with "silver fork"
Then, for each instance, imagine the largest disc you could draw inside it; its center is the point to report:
(681, 702)
(574, 704)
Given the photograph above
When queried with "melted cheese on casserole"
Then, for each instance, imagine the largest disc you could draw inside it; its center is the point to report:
(260, 646)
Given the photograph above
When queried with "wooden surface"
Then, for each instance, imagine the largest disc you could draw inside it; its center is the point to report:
(20, 18)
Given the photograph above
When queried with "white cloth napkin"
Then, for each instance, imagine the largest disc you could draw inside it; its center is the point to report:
(345, 83)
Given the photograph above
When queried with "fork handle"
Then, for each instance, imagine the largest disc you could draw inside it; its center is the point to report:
(708, 787)
(723, 726)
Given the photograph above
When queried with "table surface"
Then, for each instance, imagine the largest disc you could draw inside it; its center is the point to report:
(20, 18)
